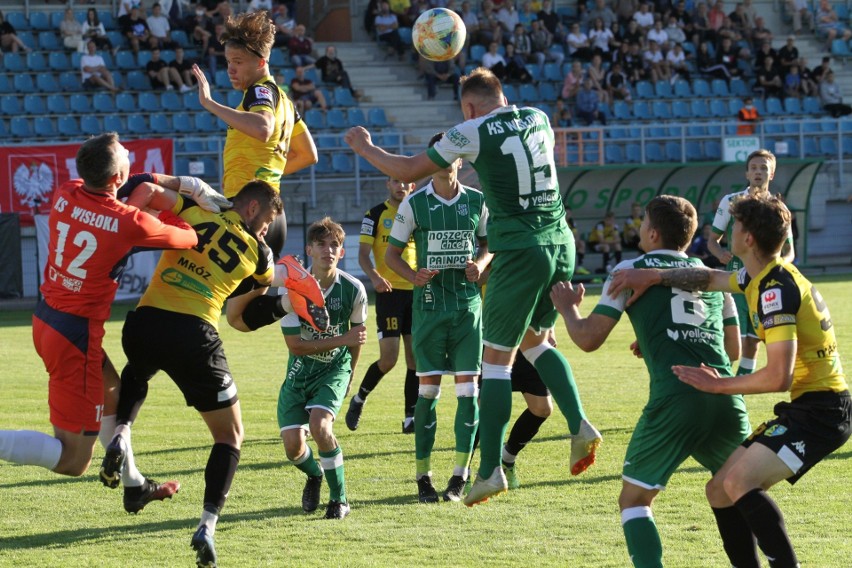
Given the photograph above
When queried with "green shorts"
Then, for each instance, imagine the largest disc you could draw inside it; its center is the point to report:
(746, 327)
(518, 294)
(298, 396)
(447, 343)
(708, 427)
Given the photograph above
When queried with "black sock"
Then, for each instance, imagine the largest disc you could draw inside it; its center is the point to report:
(370, 381)
(524, 430)
(262, 311)
(737, 539)
(131, 396)
(412, 388)
(219, 473)
(767, 524)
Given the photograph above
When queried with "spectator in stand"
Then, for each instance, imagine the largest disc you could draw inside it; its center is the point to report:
(701, 30)
(793, 83)
(579, 243)
(750, 12)
(674, 31)
(494, 61)
(587, 105)
(489, 26)
(617, 38)
(301, 48)
(573, 80)
(810, 88)
(597, 75)
(216, 49)
(579, 46)
(332, 71)
(158, 25)
(769, 80)
(134, 27)
(387, 30)
(716, 16)
(256, 5)
(508, 17)
(683, 19)
(162, 75)
(829, 25)
(624, 10)
(747, 117)
(285, 25)
(644, 18)
(199, 27)
(471, 23)
(9, 40)
(71, 31)
(727, 56)
(601, 38)
(606, 239)
(183, 67)
(801, 13)
(401, 8)
(437, 72)
(634, 34)
(93, 70)
(305, 93)
(822, 69)
(125, 6)
(561, 115)
(789, 54)
(603, 12)
(698, 248)
(616, 83)
(522, 42)
(635, 65)
(706, 63)
(630, 230)
(542, 41)
(516, 68)
(526, 15)
(658, 67)
(830, 97)
(760, 33)
(93, 30)
(739, 20)
(658, 34)
(676, 58)
(727, 31)
(765, 50)
(552, 21)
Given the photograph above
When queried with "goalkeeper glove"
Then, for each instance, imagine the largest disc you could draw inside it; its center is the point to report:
(205, 196)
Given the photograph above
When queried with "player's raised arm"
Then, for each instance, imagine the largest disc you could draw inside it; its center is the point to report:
(587, 333)
(694, 279)
(404, 168)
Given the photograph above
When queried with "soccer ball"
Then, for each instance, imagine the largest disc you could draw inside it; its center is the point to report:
(438, 34)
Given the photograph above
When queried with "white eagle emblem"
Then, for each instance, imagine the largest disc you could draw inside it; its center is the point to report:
(33, 182)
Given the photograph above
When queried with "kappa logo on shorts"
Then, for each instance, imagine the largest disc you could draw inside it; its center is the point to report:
(800, 447)
(775, 430)
(770, 300)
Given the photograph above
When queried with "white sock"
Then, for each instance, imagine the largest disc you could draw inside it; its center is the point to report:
(746, 363)
(27, 447)
(130, 476)
(461, 471)
(107, 432)
(209, 520)
(507, 457)
(284, 300)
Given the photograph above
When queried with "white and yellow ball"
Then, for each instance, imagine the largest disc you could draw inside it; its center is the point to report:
(438, 34)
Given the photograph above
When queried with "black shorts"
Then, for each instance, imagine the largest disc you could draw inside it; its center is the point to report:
(393, 313)
(806, 430)
(526, 379)
(187, 348)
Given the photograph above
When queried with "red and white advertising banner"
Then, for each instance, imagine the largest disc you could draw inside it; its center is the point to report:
(30, 174)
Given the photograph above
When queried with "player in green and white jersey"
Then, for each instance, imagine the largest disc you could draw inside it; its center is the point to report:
(760, 170)
(320, 369)
(511, 149)
(447, 221)
(673, 327)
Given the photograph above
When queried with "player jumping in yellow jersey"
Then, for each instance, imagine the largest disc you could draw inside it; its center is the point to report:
(790, 316)
(266, 138)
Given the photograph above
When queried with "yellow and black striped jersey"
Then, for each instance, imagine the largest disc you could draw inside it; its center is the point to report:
(197, 281)
(783, 305)
(375, 231)
(246, 158)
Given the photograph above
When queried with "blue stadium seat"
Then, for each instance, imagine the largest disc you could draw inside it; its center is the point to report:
(28, 39)
(49, 41)
(204, 122)
(528, 93)
(700, 88)
(57, 103)
(772, 127)
(847, 145)
(341, 163)
(511, 93)
(591, 155)
(828, 146)
(58, 61)
(183, 123)
(654, 152)
(24, 83)
(194, 146)
(5, 84)
(57, 17)
(712, 150)
(674, 130)
(719, 88)
(36, 61)
(234, 98)
(336, 119)
(548, 92)
(633, 153)
(40, 21)
(552, 73)
(138, 124)
(81, 104)
(657, 131)
(355, 117)
(734, 106)
(47, 83)
(614, 154)
(621, 110)
(150, 102)
(161, 123)
(90, 124)
(276, 58)
(680, 109)
(682, 89)
(35, 104)
(673, 151)
(191, 102)
(179, 37)
(221, 79)
(126, 102)
(323, 165)
(739, 88)
(14, 63)
(644, 90)
(839, 48)
(18, 20)
(392, 140)
(170, 101)
(828, 124)
(696, 130)
(126, 61)
(181, 167)
(327, 141)
(4, 128)
(376, 117)
(116, 37)
(138, 81)
(44, 127)
(343, 97)
(792, 105)
(774, 106)
(661, 110)
(810, 105)
(69, 81)
(104, 102)
(792, 148)
(810, 127)
(477, 51)
(315, 119)
(693, 151)
(21, 127)
(114, 123)
(641, 110)
(811, 147)
(365, 167)
(663, 89)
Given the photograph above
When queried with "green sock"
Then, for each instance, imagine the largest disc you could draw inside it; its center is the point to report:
(555, 372)
(425, 425)
(307, 463)
(332, 465)
(467, 416)
(495, 400)
(643, 541)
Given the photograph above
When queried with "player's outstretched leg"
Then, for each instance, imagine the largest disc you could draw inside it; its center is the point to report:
(205, 551)
(425, 426)
(301, 281)
(485, 488)
(135, 498)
